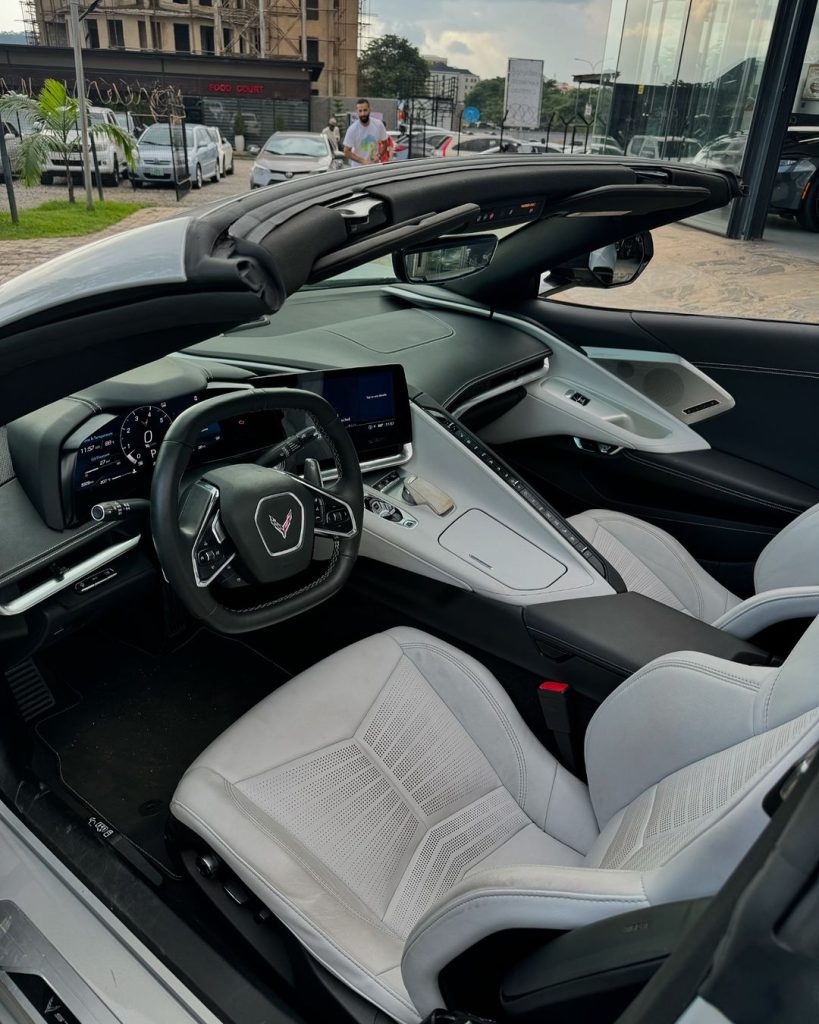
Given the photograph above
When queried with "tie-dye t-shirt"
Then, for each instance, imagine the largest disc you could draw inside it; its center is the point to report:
(363, 139)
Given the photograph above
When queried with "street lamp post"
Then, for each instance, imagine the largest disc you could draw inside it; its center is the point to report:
(583, 60)
(79, 75)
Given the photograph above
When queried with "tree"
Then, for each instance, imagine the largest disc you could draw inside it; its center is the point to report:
(56, 117)
(487, 96)
(392, 66)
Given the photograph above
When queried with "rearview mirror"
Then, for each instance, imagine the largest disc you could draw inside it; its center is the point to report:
(445, 259)
(612, 266)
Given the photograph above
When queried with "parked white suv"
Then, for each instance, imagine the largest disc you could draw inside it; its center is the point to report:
(113, 165)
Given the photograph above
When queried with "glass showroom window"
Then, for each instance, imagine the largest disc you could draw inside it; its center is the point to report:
(680, 78)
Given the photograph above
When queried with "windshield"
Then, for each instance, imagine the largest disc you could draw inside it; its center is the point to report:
(160, 135)
(678, 149)
(295, 145)
(380, 271)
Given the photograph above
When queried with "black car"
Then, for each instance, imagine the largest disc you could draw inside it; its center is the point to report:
(796, 187)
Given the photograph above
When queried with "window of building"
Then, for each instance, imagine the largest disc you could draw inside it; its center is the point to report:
(181, 38)
(227, 39)
(142, 29)
(312, 10)
(313, 49)
(92, 34)
(116, 34)
(206, 39)
(156, 35)
(181, 2)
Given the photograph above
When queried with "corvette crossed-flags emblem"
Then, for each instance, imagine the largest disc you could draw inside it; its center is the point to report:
(282, 528)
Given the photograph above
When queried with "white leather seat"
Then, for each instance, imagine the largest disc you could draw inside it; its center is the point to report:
(392, 808)
(652, 562)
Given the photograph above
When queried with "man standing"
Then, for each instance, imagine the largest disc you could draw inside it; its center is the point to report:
(366, 138)
(333, 134)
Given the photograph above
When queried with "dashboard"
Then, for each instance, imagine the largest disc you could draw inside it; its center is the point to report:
(104, 444)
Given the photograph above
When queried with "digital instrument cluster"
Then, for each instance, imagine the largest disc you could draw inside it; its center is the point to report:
(127, 444)
(113, 454)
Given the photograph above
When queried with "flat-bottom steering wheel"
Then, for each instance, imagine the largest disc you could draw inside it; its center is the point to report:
(253, 525)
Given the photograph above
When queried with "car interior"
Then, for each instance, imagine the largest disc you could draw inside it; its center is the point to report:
(385, 639)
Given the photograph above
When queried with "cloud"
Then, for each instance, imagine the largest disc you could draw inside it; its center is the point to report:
(488, 32)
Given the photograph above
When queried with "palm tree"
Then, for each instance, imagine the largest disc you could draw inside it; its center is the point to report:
(56, 117)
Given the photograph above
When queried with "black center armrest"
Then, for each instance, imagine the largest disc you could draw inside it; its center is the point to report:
(623, 632)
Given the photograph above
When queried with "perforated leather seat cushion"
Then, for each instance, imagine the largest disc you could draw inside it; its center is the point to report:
(391, 806)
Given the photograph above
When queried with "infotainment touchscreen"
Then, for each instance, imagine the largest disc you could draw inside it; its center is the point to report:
(371, 402)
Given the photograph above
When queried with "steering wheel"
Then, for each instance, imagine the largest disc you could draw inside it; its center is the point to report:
(245, 525)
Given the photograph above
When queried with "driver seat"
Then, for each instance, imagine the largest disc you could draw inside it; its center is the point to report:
(392, 808)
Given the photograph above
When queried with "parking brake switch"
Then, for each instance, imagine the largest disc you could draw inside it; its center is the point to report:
(418, 491)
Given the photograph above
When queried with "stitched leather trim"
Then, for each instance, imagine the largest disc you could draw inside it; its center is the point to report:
(708, 484)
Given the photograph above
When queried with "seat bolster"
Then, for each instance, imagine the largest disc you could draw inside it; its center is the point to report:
(498, 899)
(678, 709)
(791, 559)
(328, 919)
(769, 608)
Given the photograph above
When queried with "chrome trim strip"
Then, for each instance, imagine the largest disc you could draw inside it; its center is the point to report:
(40, 593)
(214, 495)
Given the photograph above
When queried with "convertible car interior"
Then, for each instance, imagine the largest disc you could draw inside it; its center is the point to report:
(383, 638)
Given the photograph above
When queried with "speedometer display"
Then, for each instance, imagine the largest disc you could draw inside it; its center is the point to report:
(142, 432)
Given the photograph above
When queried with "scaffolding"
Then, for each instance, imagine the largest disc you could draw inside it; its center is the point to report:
(31, 25)
(326, 30)
(365, 24)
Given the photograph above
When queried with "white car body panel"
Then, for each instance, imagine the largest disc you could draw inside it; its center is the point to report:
(146, 257)
(91, 956)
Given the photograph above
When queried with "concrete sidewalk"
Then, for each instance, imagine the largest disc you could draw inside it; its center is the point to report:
(694, 271)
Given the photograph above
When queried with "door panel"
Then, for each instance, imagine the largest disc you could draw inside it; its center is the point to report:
(763, 470)
(770, 368)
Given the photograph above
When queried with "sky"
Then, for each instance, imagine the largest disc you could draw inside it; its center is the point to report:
(479, 34)
(482, 34)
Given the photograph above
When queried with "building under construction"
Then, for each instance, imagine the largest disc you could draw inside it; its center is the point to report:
(309, 31)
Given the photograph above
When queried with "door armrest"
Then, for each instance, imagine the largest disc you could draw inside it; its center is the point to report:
(750, 617)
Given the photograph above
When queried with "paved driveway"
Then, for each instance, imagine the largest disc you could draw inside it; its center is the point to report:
(19, 256)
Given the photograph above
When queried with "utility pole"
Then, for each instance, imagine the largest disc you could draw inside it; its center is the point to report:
(218, 36)
(304, 29)
(79, 76)
(262, 31)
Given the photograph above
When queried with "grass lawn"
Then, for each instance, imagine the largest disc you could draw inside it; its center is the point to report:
(59, 219)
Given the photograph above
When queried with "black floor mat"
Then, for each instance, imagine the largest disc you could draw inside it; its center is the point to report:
(141, 719)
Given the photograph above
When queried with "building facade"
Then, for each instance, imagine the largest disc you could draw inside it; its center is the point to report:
(269, 94)
(318, 31)
(712, 82)
(445, 79)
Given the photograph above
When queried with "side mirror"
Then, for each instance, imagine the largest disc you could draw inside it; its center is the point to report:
(445, 259)
(253, 150)
(612, 266)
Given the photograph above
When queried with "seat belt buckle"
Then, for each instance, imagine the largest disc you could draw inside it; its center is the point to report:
(555, 701)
